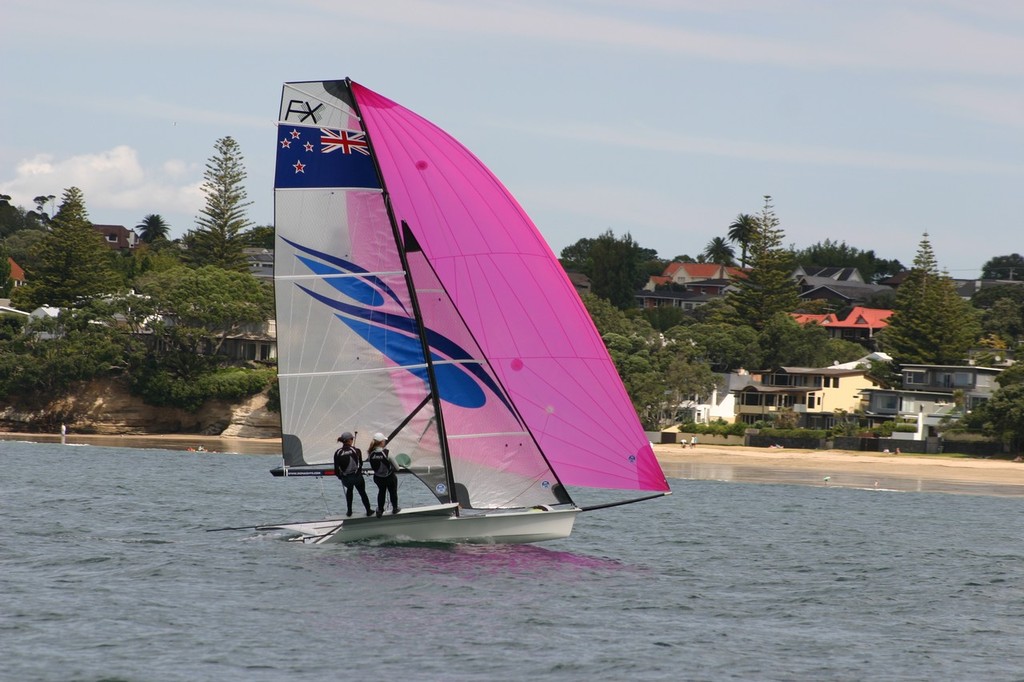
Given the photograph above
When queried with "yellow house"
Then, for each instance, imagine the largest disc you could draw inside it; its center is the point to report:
(813, 394)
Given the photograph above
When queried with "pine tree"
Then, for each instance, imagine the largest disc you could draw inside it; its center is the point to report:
(72, 264)
(931, 323)
(768, 287)
(218, 240)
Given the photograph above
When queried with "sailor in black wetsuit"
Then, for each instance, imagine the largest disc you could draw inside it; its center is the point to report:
(348, 466)
(385, 474)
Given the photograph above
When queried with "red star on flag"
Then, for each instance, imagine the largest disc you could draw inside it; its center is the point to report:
(299, 167)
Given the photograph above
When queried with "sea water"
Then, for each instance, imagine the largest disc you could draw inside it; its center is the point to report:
(108, 571)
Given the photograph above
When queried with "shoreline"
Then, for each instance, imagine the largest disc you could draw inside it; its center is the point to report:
(844, 469)
(827, 468)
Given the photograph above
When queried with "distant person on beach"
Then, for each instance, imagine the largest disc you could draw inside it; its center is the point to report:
(385, 474)
(348, 466)
(693, 441)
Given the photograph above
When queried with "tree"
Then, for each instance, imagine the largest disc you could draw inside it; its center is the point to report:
(611, 320)
(616, 272)
(724, 347)
(1002, 415)
(70, 264)
(742, 231)
(838, 255)
(217, 239)
(22, 245)
(768, 286)
(153, 228)
(785, 342)
(1009, 267)
(5, 273)
(930, 324)
(719, 252)
(687, 379)
(12, 218)
(41, 201)
(260, 237)
(1004, 321)
(576, 257)
(664, 317)
(214, 301)
(987, 296)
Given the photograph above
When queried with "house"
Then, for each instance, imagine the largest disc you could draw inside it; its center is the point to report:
(118, 237)
(814, 394)
(967, 288)
(687, 300)
(579, 281)
(721, 404)
(860, 324)
(840, 287)
(687, 285)
(834, 274)
(932, 393)
(261, 263)
(685, 273)
(254, 342)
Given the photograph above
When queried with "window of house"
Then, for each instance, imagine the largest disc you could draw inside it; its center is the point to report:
(962, 379)
(888, 402)
(914, 377)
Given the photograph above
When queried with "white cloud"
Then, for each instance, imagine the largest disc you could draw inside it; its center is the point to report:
(112, 181)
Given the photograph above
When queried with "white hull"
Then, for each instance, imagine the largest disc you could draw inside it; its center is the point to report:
(438, 523)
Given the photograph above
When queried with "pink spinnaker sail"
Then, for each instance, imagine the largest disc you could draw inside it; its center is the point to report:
(514, 298)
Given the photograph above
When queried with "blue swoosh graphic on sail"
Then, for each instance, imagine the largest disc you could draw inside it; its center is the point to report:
(367, 289)
(457, 384)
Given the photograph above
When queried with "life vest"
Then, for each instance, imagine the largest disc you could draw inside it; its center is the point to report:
(381, 464)
(346, 461)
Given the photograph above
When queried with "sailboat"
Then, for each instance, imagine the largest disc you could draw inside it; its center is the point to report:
(416, 298)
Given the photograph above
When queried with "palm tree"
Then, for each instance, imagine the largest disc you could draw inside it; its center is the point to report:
(719, 252)
(742, 231)
(152, 227)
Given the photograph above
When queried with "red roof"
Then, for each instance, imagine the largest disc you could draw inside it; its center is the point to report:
(804, 318)
(859, 318)
(702, 270)
(17, 274)
(671, 268)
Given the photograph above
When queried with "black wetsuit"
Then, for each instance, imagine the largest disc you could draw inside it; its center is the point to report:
(386, 477)
(348, 466)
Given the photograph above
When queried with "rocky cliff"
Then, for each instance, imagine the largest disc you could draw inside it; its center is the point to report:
(105, 407)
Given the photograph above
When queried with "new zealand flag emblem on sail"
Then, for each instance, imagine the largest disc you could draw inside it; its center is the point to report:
(323, 157)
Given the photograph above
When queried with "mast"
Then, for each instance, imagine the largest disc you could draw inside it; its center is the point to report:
(399, 238)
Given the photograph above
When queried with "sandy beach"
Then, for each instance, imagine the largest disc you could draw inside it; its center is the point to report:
(842, 468)
(831, 468)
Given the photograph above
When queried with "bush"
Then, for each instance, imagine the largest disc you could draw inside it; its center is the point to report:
(719, 427)
(162, 389)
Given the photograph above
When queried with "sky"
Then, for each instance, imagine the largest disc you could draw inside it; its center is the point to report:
(869, 122)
